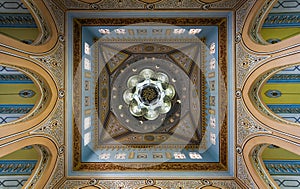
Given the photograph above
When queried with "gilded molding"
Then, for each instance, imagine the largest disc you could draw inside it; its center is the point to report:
(251, 129)
(255, 96)
(58, 173)
(41, 166)
(44, 91)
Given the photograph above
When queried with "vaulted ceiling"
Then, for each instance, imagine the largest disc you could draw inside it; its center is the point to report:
(149, 94)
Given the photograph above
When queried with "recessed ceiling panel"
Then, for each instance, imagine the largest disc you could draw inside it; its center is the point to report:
(147, 94)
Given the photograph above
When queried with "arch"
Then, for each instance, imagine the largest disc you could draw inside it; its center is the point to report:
(279, 93)
(48, 32)
(46, 106)
(16, 168)
(281, 165)
(254, 23)
(256, 145)
(20, 95)
(252, 82)
(46, 163)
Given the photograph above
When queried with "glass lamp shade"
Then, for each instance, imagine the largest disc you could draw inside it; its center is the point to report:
(165, 108)
(133, 80)
(162, 77)
(128, 96)
(147, 73)
(170, 91)
(135, 109)
(151, 114)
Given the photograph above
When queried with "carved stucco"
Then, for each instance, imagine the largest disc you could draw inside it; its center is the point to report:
(151, 5)
(155, 183)
(53, 62)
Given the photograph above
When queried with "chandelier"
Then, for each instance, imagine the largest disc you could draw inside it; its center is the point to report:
(149, 94)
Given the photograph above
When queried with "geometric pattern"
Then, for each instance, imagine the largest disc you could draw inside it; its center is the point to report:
(17, 167)
(252, 127)
(282, 167)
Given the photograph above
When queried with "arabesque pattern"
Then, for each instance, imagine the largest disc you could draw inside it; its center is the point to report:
(254, 126)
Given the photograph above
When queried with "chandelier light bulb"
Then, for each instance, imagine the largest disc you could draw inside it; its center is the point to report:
(128, 96)
(133, 80)
(135, 109)
(165, 108)
(162, 77)
(170, 91)
(149, 94)
(147, 73)
(151, 114)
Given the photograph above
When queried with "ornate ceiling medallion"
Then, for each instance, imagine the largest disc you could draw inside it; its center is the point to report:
(149, 94)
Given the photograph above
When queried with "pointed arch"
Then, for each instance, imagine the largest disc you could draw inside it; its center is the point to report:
(48, 33)
(251, 89)
(252, 150)
(252, 26)
(46, 163)
(47, 102)
(20, 94)
(280, 95)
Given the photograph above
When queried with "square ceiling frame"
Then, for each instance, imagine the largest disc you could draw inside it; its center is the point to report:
(224, 21)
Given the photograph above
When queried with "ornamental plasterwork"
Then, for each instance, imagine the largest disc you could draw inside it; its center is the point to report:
(53, 127)
(246, 125)
(45, 30)
(245, 63)
(58, 173)
(112, 65)
(241, 14)
(151, 5)
(41, 166)
(44, 94)
(58, 14)
(157, 183)
(254, 30)
(257, 161)
(54, 61)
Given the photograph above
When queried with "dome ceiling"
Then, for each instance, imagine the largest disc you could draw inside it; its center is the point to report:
(154, 94)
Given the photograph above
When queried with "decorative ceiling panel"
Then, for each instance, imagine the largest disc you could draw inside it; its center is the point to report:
(187, 57)
(193, 121)
(152, 4)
